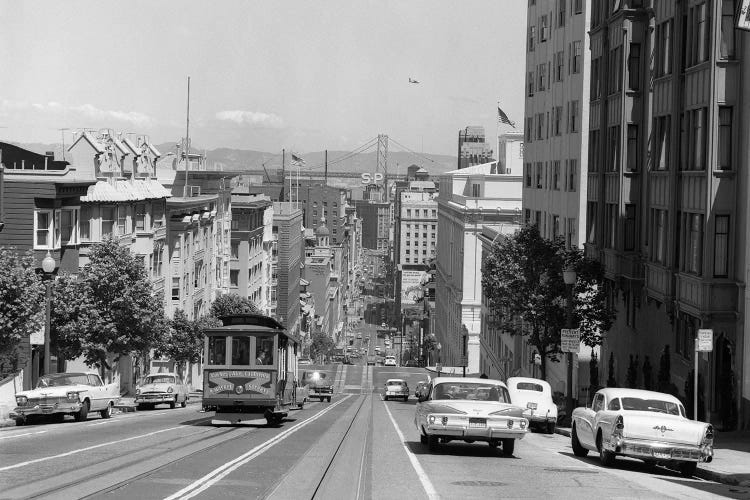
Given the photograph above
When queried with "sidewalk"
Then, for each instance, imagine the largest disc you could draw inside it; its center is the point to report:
(731, 462)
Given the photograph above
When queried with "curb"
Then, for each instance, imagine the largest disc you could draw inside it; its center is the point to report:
(708, 474)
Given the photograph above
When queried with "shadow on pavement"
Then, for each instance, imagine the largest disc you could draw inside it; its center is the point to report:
(714, 488)
(459, 449)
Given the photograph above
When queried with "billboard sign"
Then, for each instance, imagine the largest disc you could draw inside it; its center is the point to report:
(411, 285)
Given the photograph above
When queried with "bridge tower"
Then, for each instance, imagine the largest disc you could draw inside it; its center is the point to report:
(382, 165)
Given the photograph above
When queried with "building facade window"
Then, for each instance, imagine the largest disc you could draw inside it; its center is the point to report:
(632, 150)
(108, 220)
(573, 124)
(577, 57)
(721, 246)
(572, 174)
(663, 142)
(559, 65)
(630, 227)
(634, 66)
(727, 42)
(122, 220)
(664, 48)
(67, 227)
(613, 149)
(610, 225)
(694, 247)
(85, 225)
(43, 227)
(659, 239)
(556, 175)
(591, 212)
(725, 138)
(543, 28)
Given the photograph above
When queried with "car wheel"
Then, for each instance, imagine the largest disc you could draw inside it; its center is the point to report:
(508, 446)
(172, 404)
(578, 449)
(107, 412)
(432, 443)
(550, 428)
(385, 398)
(184, 402)
(406, 398)
(606, 457)
(83, 413)
(20, 422)
(329, 399)
(687, 469)
(422, 438)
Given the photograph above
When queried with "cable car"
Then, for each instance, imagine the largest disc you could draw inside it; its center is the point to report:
(250, 370)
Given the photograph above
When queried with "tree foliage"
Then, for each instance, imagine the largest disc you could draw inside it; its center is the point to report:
(322, 345)
(632, 375)
(184, 340)
(108, 310)
(21, 303)
(231, 303)
(522, 279)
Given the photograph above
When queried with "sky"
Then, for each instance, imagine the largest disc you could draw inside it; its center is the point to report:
(304, 75)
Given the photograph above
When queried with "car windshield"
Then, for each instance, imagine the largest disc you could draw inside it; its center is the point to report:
(159, 379)
(653, 405)
(472, 392)
(60, 380)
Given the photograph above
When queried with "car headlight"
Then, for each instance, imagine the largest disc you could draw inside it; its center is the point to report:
(432, 419)
(170, 390)
(137, 390)
(72, 397)
(21, 400)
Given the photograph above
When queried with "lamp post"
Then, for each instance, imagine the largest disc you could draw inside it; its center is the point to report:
(569, 277)
(48, 266)
(439, 361)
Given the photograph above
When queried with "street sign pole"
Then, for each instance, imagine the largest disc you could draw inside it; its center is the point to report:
(704, 343)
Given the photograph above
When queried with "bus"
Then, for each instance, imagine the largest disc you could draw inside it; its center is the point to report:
(250, 370)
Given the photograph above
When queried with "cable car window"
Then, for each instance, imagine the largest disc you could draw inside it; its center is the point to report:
(240, 350)
(217, 350)
(264, 351)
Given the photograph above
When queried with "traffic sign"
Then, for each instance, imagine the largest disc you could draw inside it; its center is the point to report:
(570, 340)
(705, 340)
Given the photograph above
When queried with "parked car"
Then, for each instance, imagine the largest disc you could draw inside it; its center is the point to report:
(648, 425)
(390, 361)
(304, 361)
(535, 395)
(161, 388)
(469, 409)
(60, 394)
(411, 363)
(396, 388)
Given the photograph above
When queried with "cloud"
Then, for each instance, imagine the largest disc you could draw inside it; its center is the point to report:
(251, 118)
(85, 110)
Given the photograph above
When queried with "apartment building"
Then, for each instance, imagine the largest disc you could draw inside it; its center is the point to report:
(250, 257)
(286, 259)
(473, 149)
(667, 200)
(469, 199)
(556, 112)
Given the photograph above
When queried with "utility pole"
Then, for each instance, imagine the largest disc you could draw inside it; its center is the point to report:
(326, 169)
(281, 195)
(187, 140)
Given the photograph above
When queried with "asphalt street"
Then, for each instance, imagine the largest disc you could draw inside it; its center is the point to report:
(357, 446)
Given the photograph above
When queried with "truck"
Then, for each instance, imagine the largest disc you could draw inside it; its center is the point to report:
(318, 386)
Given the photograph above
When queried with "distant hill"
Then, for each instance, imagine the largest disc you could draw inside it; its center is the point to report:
(338, 161)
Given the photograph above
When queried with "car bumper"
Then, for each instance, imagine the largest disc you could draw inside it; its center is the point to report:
(396, 394)
(156, 398)
(660, 450)
(479, 434)
(24, 411)
(540, 418)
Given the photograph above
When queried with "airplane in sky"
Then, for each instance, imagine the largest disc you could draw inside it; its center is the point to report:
(411, 80)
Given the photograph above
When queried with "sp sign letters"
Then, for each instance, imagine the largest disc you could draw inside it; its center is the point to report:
(375, 178)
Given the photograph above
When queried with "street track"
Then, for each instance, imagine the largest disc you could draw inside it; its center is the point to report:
(135, 459)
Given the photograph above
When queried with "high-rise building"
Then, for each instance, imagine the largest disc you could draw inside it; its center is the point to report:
(667, 202)
(472, 148)
(469, 199)
(285, 265)
(249, 253)
(556, 145)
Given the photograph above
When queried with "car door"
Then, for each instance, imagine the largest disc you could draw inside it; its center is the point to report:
(585, 421)
(96, 393)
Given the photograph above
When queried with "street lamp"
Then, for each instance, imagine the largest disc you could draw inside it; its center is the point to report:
(569, 277)
(48, 266)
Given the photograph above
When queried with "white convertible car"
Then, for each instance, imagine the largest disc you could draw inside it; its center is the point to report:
(469, 409)
(535, 395)
(60, 394)
(647, 425)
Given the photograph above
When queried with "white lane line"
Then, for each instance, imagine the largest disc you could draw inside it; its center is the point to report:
(426, 483)
(73, 452)
(24, 434)
(222, 471)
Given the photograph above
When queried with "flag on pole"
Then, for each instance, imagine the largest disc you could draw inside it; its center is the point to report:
(503, 118)
(297, 161)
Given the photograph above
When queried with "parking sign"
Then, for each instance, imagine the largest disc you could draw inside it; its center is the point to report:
(705, 340)
(570, 340)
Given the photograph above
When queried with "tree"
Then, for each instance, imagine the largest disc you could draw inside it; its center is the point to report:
(231, 303)
(522, 280)
(21, 304)
(183, 342)
(611, 380)
(593, 372)
(632, 375)
(322, 345)
(664, 377)
(109, 310)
